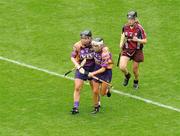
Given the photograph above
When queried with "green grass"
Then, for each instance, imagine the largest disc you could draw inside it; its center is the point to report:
(42, 32)
(35, 103)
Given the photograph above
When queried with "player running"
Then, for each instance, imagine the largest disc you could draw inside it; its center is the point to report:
(133, 38)
(103, 71)
(82, 50)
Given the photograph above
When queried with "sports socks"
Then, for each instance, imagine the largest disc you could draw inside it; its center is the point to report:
(135, 81)
(128, 75)
(76, 104)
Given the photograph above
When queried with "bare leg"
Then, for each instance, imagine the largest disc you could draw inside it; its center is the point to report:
(136, 74)
(136, 70)
(104, 89)
(123, 64)
(96, 93)
(78, 86)
(123, 67)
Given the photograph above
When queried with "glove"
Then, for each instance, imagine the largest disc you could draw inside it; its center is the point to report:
(90, 74)
(81, 70)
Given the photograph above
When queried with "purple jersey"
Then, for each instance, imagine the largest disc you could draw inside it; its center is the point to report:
(88, 54)
(103, 59)
(80, 53)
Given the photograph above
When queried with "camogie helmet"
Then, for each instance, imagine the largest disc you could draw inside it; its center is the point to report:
(86, 33)
(132, 15)
(97, 44)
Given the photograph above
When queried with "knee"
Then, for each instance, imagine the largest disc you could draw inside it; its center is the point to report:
(77, 89)
(103, 93)
(96, 91)
(122, 67)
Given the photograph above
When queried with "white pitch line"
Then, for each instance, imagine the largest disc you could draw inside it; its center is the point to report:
(70, 78)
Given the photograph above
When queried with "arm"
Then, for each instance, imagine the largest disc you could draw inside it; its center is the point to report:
(77, 65)
(122, 41)
(141, 41)
(105, 62)
(74, 55)
(101, 70)
(142, 34)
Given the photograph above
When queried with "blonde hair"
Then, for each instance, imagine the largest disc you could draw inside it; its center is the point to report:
(137, 20)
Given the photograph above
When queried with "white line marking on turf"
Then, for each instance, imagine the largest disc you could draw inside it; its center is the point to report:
(70, 78)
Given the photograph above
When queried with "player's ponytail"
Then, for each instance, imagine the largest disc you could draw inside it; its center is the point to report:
(137, 21)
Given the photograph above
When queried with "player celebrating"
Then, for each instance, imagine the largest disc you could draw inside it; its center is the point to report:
(133, 38)
(82, 50)
(103, 71)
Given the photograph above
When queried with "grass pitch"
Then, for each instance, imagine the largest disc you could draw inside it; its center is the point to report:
(42, 32)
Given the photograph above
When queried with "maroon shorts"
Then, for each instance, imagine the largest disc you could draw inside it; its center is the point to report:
(136, 55)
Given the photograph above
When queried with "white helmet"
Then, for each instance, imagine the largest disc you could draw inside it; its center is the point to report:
(97, 44)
